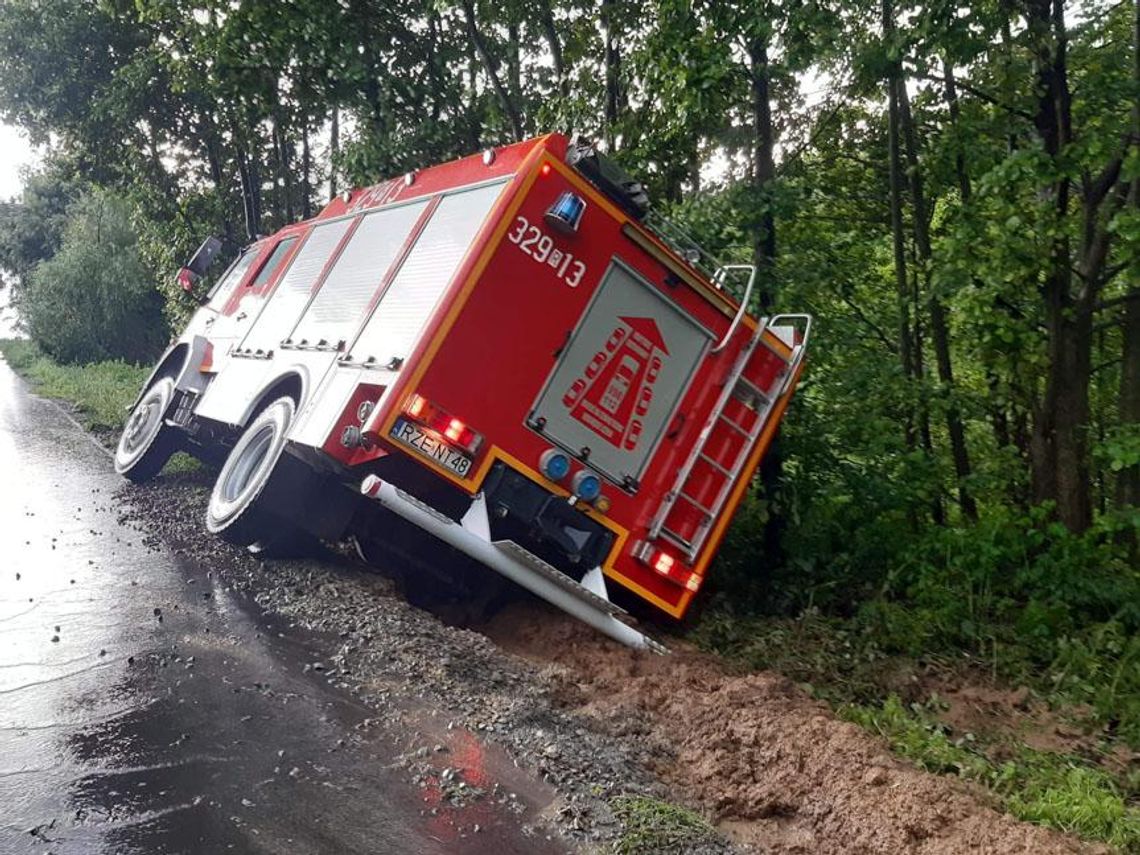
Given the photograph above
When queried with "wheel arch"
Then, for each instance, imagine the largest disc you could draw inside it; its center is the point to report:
(171, 364)
(293, 382)
(176, 363)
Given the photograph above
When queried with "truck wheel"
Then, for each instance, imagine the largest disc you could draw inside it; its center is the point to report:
(147, 442)
(235, 511)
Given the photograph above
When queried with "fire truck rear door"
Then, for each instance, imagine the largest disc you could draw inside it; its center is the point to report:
(621, 376)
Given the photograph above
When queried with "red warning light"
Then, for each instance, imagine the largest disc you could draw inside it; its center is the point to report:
(454, 430)
(545, 169)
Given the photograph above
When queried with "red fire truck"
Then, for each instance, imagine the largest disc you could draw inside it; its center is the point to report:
(508, 355)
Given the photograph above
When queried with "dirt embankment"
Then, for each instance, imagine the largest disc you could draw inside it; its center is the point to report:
(773, 768)
(777, 771)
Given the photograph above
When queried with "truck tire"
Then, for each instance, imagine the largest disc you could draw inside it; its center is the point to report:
(147, 441)
(236, 509)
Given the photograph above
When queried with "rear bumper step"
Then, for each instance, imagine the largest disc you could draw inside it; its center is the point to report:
(472, 537)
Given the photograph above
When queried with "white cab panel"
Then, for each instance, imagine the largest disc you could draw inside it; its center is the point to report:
(338, 308)
(292, 293)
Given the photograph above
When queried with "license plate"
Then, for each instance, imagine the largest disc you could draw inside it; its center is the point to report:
(431, 447)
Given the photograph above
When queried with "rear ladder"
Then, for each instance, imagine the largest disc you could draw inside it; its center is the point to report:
(755, 400)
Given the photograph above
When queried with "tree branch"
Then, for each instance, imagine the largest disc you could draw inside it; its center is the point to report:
(489, 66)
(1098, 188)
(1116, 301)
(812, 137)
(1104, 365)
(979, 93)
(875, 328)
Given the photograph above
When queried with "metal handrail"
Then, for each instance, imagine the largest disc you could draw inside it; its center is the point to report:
(718, 279)
(798, 348)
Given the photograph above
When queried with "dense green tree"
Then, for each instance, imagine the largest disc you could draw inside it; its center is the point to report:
(94, 299)
(951, 189)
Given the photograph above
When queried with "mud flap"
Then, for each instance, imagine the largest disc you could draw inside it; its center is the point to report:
(588, 603)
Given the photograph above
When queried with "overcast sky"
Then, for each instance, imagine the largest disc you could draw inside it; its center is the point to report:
(15, 153)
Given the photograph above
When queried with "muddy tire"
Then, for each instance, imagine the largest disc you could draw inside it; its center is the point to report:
(236, 511)
(147, 441)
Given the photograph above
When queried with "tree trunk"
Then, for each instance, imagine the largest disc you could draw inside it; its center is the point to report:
(939, 329)
(435, 73)
(488, 62)
(285, 211)
(1128, 481)
(334, 150)
(1060, 442)
(306, 175)
(514, 68)
(925, 435)
(474, 123)
(764, 250)
(612, 59)
(763, 171)
(1059, 446)
(554, 44)
(250, 193)
(1047, 433)
(898, 238)
(214, 159)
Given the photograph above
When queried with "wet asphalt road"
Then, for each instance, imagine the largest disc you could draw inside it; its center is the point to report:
(145, 709)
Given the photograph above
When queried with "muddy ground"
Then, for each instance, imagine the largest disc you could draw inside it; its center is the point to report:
(770, 767)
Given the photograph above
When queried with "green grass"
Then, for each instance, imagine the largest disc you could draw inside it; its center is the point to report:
(652, 825)
(1056, 790)
(832, 658)
(100, 392)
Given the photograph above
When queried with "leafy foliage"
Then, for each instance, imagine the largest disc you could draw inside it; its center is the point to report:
(93, 300)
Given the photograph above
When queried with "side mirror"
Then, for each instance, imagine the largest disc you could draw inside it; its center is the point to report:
(201, 260)
(187, 279)
(190, 275)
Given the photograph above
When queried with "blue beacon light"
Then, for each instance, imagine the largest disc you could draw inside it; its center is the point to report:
(565, 214)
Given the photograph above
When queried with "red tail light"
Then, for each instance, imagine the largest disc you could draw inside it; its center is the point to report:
(423, 412)
(667, 566)
(455, 430)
